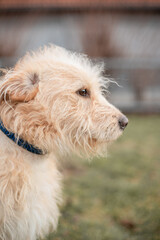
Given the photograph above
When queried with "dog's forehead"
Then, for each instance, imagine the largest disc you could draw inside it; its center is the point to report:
(69, 77)
(80, 75)
(54, 62)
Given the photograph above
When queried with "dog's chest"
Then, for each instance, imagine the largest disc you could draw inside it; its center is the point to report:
(45, 193)
(31, 185)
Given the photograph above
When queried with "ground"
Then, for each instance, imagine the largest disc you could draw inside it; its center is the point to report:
(117, 198)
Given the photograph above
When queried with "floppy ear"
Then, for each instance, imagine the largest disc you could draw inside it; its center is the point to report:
(19, 87)
(3, 71)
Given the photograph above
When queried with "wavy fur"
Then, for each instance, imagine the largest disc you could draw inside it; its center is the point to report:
(39, 102)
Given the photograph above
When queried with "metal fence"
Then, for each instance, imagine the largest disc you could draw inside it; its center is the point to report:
(128, 43)
(139, 84)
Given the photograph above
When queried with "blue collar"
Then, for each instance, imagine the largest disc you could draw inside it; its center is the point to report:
(20, 142)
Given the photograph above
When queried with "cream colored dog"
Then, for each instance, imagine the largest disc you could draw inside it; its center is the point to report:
(51, 104)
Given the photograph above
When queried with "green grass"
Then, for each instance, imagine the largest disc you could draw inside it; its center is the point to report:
(117, 198)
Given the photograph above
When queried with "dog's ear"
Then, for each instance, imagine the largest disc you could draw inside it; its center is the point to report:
(3, 71)
(19, 87)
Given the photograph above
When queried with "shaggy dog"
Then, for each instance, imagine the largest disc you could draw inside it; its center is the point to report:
(51, 104)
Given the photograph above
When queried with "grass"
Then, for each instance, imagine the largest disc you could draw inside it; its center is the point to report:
(117, 198)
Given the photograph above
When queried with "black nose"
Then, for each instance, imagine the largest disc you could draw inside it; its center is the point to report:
(123, 122)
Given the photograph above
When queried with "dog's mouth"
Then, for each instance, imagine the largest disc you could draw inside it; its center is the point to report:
(107, 138)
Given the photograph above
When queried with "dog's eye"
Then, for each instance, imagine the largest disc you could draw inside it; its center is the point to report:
(83, 92)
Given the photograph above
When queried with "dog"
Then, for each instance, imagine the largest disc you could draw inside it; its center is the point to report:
(52, 104)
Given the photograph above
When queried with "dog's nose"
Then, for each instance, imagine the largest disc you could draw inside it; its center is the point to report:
(123, 122)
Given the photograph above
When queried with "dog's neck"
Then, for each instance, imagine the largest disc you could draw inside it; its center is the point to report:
(20, 142)
(29, 121)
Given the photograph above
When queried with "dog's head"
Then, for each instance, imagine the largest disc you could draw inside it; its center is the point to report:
(54, 100)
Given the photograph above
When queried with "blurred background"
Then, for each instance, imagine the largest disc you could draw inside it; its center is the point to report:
(125, 34)
(117, 198)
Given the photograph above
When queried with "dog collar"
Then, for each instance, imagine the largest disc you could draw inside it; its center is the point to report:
(20, 142)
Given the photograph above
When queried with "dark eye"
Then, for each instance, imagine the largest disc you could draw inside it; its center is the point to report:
(83, 92)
